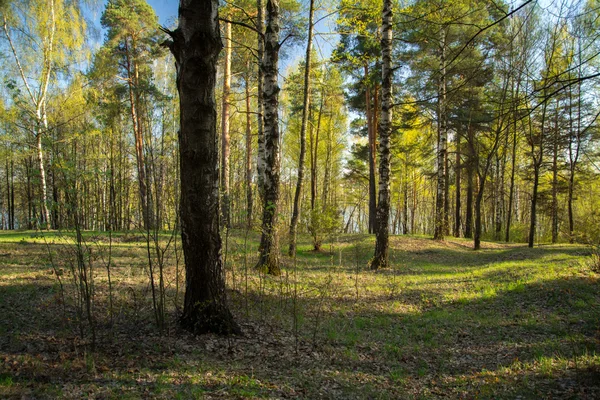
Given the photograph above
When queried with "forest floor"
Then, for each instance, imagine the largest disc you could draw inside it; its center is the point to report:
(443, 321)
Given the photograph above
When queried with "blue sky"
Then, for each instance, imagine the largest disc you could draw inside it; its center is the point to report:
(165, 9)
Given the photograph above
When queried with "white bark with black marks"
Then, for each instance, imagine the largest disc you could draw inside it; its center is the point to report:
(269, 252)
(380, 259)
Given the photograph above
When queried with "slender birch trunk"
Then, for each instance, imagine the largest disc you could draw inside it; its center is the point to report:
(381, 257)
(269, 251)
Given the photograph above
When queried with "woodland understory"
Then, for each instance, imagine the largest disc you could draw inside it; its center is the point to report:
(441, 322)
(300, 199)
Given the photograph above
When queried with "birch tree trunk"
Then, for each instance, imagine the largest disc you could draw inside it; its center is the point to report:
(269, 251)
(381, 259)
(38, 99)
(305, 107)
(196, 45)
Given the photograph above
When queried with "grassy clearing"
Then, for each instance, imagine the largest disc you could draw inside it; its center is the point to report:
(443, 321)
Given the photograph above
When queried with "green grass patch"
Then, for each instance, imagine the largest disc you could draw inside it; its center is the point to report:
(442, 320)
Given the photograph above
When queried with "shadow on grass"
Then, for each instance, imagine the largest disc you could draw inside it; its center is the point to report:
(364, 347)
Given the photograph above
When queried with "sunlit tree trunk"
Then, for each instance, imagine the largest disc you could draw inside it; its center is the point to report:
(225, 127)
(458, 168)
(538, 157)
(314, 150)
(513, 162)
(555, 140)
(372, 137)
(470, 189)
(381, 257)
(440, 199)
(249, 200)
(269, 251)
(260, 159)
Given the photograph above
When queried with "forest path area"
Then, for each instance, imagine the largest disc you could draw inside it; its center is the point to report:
(443, 321)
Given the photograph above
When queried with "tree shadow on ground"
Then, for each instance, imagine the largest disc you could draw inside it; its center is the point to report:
(408, 343)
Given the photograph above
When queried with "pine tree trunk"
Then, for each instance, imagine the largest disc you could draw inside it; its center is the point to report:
(478, 223)
(534, 197)
(138, 136)
(512, 176)
(269, 251)
(537, 164)
(260, 159)
(555, 177)
(440, 199)
(405, 230)
(372, 138)
(447, 199)
(470, 189)
(325, 196)
(225, 128)
(314, 151)
(381, 257)
(305, 108)
(196, 46)
(499, 199)
(573, 152)
(249, 201)
(458, 168)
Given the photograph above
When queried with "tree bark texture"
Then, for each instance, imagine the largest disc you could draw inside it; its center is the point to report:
(555, 175)
(537, 165)
(225, 127)
(381, 257)
(513, 162)
(269, 252)
(249, 200)
(371, 132)
(458, 167)
(260, 165)
(440, 198)
(196, 45)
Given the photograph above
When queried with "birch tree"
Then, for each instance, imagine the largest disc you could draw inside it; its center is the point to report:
(270, 157)
(383, 205)
(40, 42)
